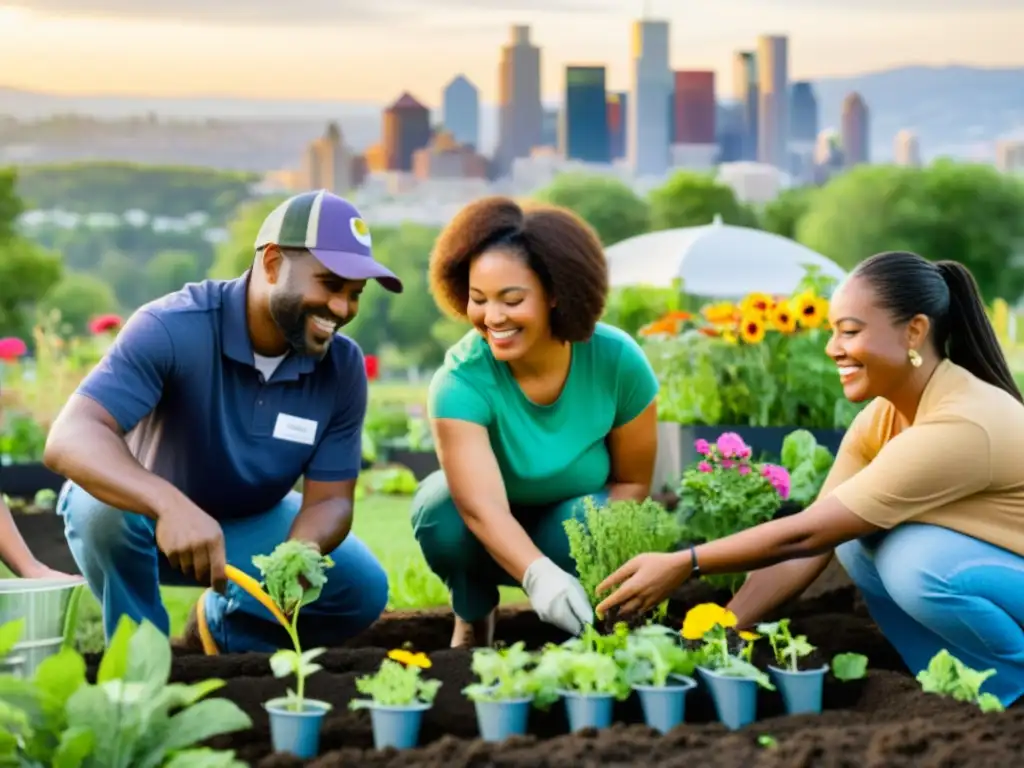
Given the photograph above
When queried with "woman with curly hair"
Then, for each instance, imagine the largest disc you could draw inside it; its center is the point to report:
(539, 406)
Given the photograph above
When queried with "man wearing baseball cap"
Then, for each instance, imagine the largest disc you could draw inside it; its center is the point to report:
(183, 447)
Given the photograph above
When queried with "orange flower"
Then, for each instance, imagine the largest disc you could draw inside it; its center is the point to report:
(661, 327)
(723, 312)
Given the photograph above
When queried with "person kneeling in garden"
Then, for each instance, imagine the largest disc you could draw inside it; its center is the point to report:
(183, 446)
(536, 408)
(924, 505)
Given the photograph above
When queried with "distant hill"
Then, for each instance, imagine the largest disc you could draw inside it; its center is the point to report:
(956, 110)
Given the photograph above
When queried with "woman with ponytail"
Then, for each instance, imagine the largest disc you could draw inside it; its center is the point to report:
(924, 505)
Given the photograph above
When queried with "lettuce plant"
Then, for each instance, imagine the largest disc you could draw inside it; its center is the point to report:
(508, 673)
(653, 653)
(398, 682)
(946, 675)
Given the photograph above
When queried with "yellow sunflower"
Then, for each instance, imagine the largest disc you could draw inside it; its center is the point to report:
(722, 312)
(752, 329)
(783, 318)
(756, 303)
(810, 309)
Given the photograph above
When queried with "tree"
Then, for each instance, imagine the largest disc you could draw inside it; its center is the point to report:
(235, 254)
(782, 214)
(694, 199)
(79, 297)
(607, 204)
(170, 270)
(948, 211)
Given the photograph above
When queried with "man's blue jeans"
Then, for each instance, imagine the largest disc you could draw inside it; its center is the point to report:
(930, 588)
(116, 552)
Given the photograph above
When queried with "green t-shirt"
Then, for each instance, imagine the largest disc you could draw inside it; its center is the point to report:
(548, 453)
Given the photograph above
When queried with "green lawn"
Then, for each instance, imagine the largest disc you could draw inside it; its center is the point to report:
(381, 521)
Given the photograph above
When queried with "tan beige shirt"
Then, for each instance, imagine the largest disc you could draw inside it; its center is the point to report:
(960, 465)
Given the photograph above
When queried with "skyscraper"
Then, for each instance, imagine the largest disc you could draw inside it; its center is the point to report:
(584, 125)
(648, 132)
(521, 113)
(462, 111)
(744, 88)
(695, 107)
(907, 149)
(773, 100)
(618, 116)
(855, 130)
(406, 129)
(803, 113)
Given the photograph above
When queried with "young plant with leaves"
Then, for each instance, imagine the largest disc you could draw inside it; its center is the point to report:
(589, 664)
(709, 624)
(611, 535)
(652, 654)
(131, 717)
(294, 575)
(787, 647)
(849, 666)
(946, 675)
(398, 682)
(508, 673)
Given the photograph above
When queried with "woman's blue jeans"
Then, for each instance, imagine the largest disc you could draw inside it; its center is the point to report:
(930, 588)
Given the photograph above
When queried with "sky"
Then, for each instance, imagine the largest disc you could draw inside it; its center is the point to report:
(372, 50)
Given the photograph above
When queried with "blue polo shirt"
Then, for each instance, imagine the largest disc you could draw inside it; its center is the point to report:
(180, 379)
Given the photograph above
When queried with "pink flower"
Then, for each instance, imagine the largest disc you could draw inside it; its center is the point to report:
(11, 348)
(703, 467)
(703, 447)
(778, 477)
(731, 446)
(105, 324)
(727, 463)
(744, 469)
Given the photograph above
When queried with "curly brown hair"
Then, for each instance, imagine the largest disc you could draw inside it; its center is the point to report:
(560, 247)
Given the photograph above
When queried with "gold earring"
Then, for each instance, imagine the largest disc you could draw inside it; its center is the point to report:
(915, 358)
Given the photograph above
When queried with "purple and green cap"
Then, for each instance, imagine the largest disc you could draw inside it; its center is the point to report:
(330, 228)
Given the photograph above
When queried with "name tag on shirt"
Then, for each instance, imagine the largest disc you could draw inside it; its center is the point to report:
(295, 430)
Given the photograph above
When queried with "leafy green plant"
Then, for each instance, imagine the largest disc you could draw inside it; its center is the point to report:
(508, 673)
(946, 675)
(808, 464)
(715, 655)
(653, 653)
(611, 535)
(582, 671)
(787, 647)
(294, 575)
(849, 666)
(131, 717)
(398, 682)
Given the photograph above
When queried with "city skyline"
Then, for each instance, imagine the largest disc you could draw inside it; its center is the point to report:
(90, 54)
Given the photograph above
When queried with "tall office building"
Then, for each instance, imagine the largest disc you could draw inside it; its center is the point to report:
(694, 107)
(521, 114)
(854, 132)
(406, 128)
(327, 163)
(648, 132)
(773, 100)
(462, 111)
(584, 125)
(907, 149)
(744, 89)
(803, 113)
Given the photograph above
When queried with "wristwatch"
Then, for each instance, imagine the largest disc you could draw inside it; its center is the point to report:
(695, 570)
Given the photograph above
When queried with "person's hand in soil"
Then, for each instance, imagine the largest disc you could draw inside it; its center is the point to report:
(644, 582)
(194, 544)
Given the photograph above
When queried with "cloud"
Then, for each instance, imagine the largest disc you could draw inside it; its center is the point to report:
(355, 13)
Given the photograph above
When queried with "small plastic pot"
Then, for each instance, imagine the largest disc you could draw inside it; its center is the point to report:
(296, 732)
(735, 698)
(588, 710)
(397, 726)
(802, 691)
(499, 719)
(664, 706)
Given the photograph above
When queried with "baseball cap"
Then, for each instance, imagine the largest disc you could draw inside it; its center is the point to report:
(332, 229)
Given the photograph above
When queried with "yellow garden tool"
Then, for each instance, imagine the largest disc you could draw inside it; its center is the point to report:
(250, 585)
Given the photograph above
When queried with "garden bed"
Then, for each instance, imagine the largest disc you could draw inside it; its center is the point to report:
(882, 720)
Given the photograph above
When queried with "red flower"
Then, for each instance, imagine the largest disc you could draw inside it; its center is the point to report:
(105, 323)
(372, 367)
(12, 348)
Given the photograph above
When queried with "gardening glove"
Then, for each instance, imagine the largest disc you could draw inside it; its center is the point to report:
(557, 597)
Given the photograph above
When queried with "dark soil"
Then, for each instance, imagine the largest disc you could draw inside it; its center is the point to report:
(884, 720)
(43, 531)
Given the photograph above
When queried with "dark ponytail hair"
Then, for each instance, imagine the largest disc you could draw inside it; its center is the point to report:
(946, 292)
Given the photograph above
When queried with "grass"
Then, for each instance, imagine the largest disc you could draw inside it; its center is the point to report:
(382, 522)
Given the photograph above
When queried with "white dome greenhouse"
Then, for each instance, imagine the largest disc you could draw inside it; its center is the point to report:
(717, 260)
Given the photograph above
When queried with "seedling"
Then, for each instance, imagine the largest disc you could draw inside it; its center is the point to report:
(397, 683)
(508, 673)
(294, 576)
(849, 666)
(715, 655)
(652, 654)
(946, 675)
(788, 648)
